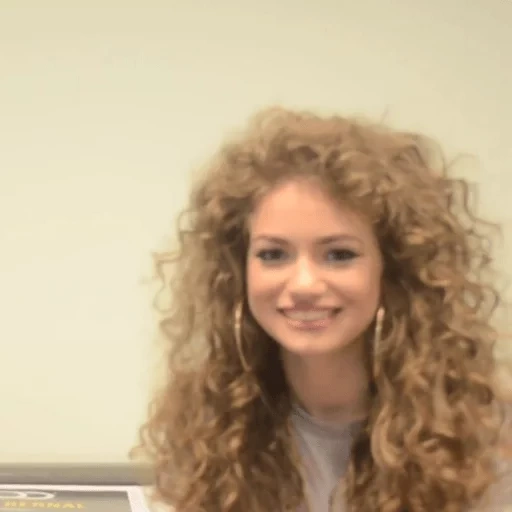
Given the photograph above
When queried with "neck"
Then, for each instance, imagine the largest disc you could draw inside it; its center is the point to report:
(332, 388)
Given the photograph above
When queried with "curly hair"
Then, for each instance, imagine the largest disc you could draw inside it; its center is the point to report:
(218, 435)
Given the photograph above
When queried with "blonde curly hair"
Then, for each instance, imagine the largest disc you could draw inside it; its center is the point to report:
(218, 435)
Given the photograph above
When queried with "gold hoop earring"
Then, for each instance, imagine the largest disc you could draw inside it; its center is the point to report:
(239, 337)
(379, 320)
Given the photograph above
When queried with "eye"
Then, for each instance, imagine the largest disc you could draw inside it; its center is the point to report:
(271, 255)
(341, 255)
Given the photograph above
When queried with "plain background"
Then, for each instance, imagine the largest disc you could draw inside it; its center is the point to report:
(106, 108)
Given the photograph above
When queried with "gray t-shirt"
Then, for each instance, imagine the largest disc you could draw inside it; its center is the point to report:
(325, 452)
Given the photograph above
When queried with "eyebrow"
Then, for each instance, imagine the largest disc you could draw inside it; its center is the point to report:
(322, 240)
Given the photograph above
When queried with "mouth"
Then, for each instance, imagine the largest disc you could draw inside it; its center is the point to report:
(311, 319)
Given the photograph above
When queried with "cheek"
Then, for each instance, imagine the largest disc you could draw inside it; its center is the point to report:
(263, 288)
(374, 287)
(255, 279)
(257, 292)
(363, 285)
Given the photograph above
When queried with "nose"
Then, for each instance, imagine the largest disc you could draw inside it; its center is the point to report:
(305, 280)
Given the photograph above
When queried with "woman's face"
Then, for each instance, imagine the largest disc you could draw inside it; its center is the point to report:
(313, 270)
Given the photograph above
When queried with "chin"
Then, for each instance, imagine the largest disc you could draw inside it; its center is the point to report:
(311, 348)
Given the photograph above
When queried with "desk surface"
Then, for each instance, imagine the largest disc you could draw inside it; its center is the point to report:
(75, 474)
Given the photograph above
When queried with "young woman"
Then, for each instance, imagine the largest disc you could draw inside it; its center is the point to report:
(330, 339)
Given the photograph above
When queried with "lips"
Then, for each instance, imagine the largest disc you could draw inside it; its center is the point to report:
(311, 315)
(314, 319)
(310, 320)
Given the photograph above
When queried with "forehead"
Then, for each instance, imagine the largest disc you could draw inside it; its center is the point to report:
(300, 207)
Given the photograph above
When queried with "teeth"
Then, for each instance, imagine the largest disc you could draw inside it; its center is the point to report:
(308, 316)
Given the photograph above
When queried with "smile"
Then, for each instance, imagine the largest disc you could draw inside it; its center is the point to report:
(311, 319)
(309, 315)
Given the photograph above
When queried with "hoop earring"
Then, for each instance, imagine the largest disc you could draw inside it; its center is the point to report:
(238, 336)
(377, 335)
(379, 320)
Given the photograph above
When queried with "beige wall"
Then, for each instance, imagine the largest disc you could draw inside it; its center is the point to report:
(103, 112)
